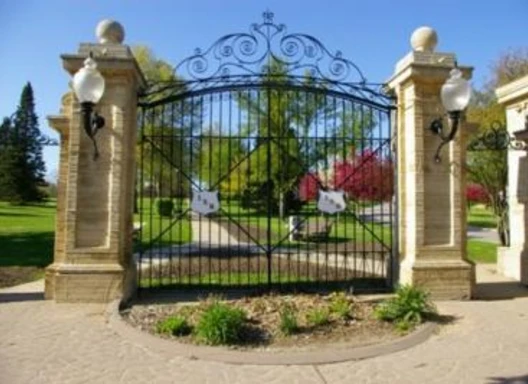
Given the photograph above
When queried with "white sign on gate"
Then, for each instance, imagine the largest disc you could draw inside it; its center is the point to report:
(205, 202)
(331, 202)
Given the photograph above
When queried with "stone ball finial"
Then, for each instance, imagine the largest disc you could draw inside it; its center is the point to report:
(110, 31)
(424, 39)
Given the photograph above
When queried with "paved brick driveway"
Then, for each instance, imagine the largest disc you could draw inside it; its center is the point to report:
(44, 342)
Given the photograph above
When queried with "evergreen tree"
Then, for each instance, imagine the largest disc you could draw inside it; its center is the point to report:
(8, 158)
(22, 169)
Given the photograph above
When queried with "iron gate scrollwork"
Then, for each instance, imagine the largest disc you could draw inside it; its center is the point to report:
(495, 138)
(266, 163)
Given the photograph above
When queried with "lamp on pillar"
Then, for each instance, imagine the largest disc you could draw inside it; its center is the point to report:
(455, 95)
(89, 85)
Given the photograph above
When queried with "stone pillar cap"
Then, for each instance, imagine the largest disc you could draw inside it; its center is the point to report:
(424, 39)
(110, 31)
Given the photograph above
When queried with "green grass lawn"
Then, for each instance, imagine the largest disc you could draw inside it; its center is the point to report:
(346, 227)
(26, 241)
(480, 216)
(176, 229)
(27, 234)
(482, 251)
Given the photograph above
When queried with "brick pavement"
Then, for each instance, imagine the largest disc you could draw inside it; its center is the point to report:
(44, 342)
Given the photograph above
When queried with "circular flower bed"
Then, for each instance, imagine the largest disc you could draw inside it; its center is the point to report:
(278, 322)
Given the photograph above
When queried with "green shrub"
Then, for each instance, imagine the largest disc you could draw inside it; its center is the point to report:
(165, 207)
(411, 304)
(403, 326)
(340, 305)
(220, 324)
(318, 316)
(288, 321)
(174, 325)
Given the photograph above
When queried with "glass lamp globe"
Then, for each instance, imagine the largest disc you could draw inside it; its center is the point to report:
(456, 92)
(88, 83)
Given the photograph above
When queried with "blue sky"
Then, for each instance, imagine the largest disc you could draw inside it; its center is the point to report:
(372, 33)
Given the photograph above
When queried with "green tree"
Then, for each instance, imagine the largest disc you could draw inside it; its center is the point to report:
(280, 118)
(281, 139)
(217, 162)
(161, 151)
(23, 168)
(8, 151)
(154, 69)
(489, 168)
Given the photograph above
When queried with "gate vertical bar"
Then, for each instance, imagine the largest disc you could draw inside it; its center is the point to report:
(181, 127)
(199, 167)
(269, 185)
(141, 200)
(171, 184)
(394, 272)
(151, 204)
(161, 190)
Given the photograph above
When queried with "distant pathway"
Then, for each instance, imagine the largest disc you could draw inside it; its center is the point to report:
(483, 234)
(207, 231)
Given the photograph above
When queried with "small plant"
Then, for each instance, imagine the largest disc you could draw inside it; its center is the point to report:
(174, 325)
(318, 316)
(165, 207)
(220, 324)
(410, 305)
(340, 305)
(403, 326)
(288, 321)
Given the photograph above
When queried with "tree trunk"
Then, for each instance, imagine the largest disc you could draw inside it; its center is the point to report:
(500, 208)
(281, 205)
(503, 223)
(136, 208)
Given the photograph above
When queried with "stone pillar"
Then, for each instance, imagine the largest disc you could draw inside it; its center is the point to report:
(512, 261)
(93, 245)
(431, 198)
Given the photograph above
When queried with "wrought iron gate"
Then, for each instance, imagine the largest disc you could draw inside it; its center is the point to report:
(266, 162)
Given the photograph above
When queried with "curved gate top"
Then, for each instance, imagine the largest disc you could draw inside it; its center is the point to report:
(244, 59)
(266, 162)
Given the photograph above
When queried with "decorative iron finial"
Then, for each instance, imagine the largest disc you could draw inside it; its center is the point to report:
(268, 17)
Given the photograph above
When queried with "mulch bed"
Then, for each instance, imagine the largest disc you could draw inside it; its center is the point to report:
(262, 331)
(11, 276)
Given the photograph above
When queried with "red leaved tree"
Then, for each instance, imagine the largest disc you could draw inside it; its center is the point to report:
(365, 177)
(308, 187)
(476, 194)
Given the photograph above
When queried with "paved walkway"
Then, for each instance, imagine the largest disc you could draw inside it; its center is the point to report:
(44, 342)
(483, 234)
(207, 231)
